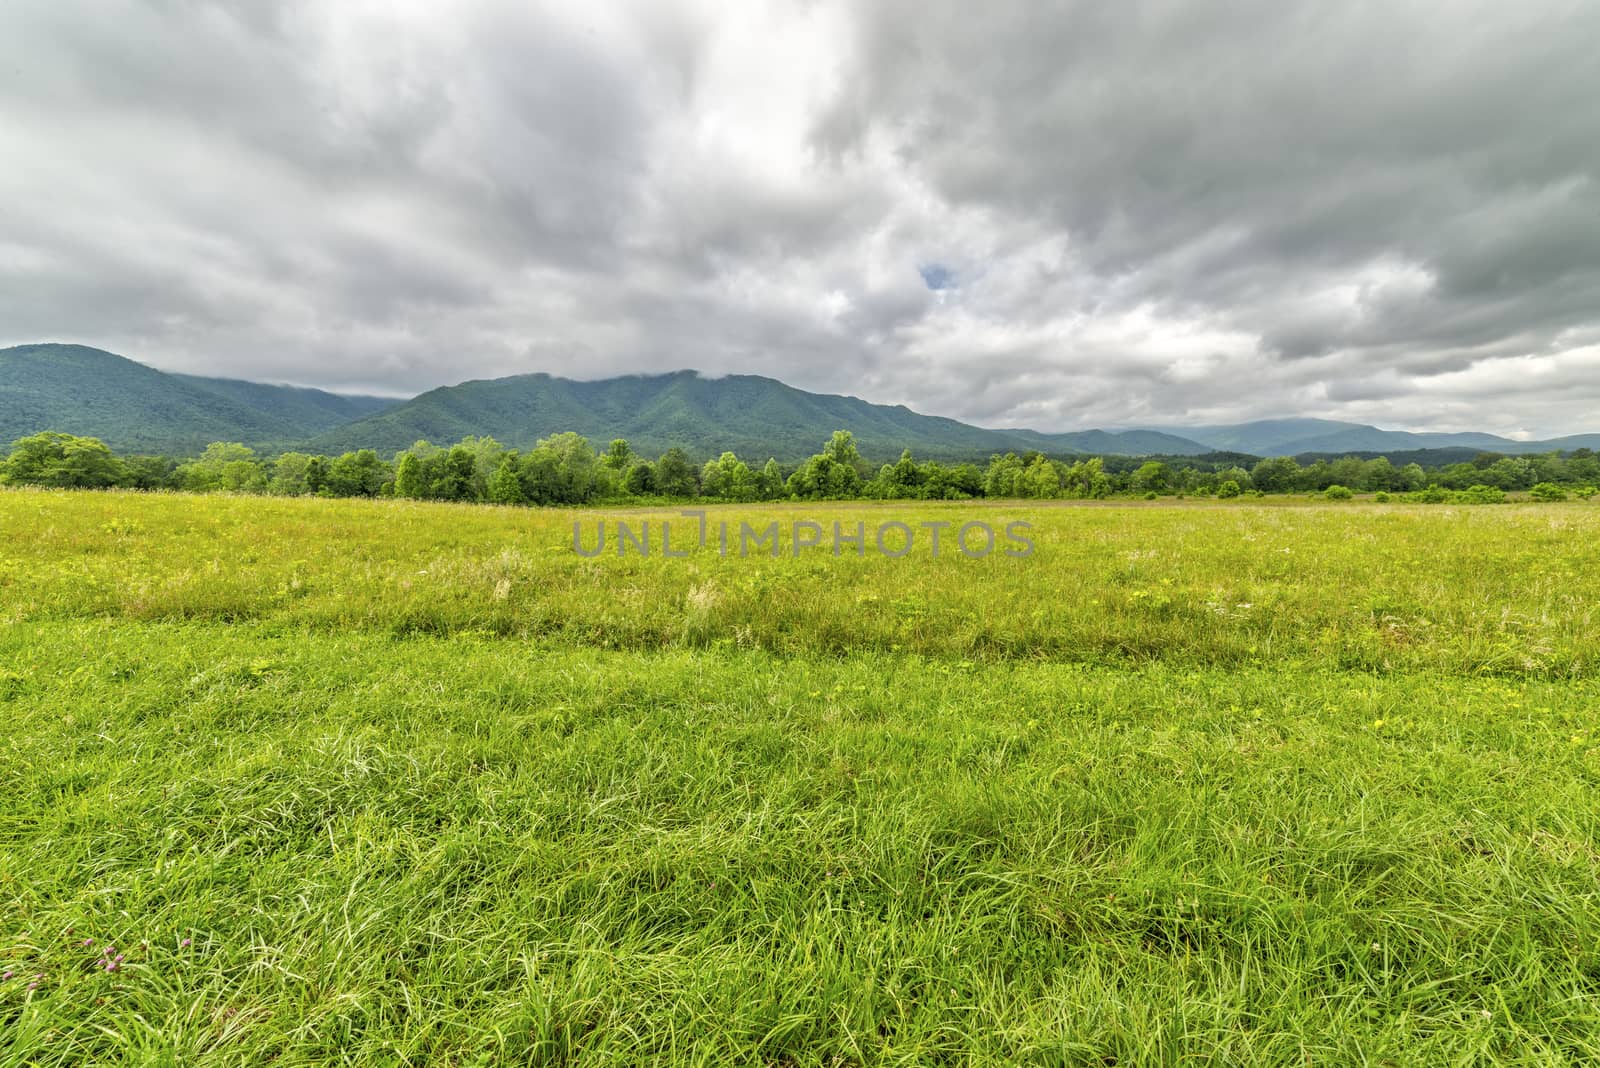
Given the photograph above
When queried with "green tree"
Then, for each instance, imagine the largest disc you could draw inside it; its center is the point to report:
(640, 480)
(1041, 479)
(1277, 475)
(771, 480)
(831, 474)
(619, 457)
(1152, 477)
(1003, 478)
(148, 472)
(289, 474)
(505, 485)
(55, 459)
(225, 465)
(357, 474)
(409, 479)
(674, 476)
(317, 475)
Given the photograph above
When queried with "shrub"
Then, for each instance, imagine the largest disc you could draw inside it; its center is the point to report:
(1547, 491)
(1229, 488)
(1481, 494)
(1382, 496)
(1338, 493)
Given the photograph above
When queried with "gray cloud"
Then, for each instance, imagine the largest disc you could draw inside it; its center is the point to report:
(1152, 212)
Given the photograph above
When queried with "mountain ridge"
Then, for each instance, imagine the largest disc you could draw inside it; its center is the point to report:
(134, 407)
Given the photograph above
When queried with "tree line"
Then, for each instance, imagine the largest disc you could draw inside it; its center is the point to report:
(564, 469)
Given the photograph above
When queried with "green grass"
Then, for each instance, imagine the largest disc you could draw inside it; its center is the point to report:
(1083, 808)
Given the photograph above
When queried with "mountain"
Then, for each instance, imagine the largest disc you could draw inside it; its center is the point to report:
(1297, 437)
(1267, 437)
(753, 416)
(314, 409)
(82, 390)
(135, 408)
(1112, 442)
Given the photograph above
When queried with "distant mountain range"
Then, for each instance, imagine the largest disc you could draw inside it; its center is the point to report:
(133, 407)
(752, 416)
(1296, 437)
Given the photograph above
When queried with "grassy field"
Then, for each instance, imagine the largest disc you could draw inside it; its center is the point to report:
(302, 782)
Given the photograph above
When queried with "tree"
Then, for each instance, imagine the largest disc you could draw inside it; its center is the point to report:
(289, 474)
(728, 477)
(1087, 478)
(640, 480)
(55, 459)
(560, 469)
(225, 465)
(1041, 479)
(317, 475)
(1004, 476)
(1278, 475)
(831, 474)
(619, 457)
(505, 486)
(357, 474)
(1152, 477)
(408, 477)
(1378, 474)
(457, 476)
(674, 477)
(841, 449)
(771, 480)
(148, 472)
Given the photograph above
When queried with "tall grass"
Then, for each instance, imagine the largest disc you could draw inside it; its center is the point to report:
(1506, 590)
(323, 808)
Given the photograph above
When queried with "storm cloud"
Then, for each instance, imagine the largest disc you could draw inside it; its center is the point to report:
(1059, 216)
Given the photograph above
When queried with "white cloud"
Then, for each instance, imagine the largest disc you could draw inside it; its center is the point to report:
(1151, 213)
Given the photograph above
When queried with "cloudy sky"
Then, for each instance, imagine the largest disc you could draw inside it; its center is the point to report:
(1056, 215)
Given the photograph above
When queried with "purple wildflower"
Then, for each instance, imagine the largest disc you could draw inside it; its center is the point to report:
(185, 943)
(6, 976)
(87, 942)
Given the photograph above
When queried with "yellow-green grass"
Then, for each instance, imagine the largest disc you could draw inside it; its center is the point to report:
(417, 785)
(1504, 589)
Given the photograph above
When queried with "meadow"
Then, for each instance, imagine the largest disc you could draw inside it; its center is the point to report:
(301, 781)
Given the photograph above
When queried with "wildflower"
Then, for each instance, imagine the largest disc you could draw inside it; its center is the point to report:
(6, 976)
(87, 942)
(185, 944)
